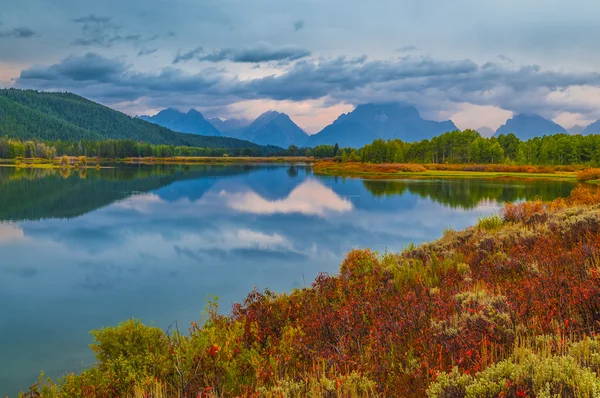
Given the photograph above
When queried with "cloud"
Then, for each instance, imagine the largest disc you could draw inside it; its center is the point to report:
(101, 31)
(203, 247)
(188, 55)
(91, 18)
(433, 85)
(111, 79)
(309, 198)
(10, 233)
(259, 52)
(142, 203)
(298, 25)
(89, 67)
(17, 33)
(146, 51)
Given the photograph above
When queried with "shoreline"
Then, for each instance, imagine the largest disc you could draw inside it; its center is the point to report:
(432, 171)
(105, 163)
(330, 168)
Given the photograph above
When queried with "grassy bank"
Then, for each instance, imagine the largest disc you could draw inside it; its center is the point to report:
(81, 161)
(221, 159)
(507, 308)
(399, 170)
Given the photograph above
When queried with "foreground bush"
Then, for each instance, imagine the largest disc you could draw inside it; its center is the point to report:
(442, 318)
(529, 372)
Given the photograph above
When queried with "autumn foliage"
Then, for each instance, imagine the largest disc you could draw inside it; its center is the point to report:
(589, 175)
(357, 168)
(507, 308)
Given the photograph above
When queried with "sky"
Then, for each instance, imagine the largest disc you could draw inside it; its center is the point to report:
(476, 62)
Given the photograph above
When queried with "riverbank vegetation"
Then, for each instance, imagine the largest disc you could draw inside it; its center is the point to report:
(119, 149)
(468, 147)
(412, 170)
(507, 308)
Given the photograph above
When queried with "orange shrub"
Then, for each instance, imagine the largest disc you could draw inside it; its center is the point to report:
(589, 175)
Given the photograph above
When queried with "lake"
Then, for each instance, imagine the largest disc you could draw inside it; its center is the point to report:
(88, 249)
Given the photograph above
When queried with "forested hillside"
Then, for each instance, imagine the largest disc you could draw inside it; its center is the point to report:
(29, 114)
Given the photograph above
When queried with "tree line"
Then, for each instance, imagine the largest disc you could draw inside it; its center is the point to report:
(456, 147)
(11, 148)
(468, 146)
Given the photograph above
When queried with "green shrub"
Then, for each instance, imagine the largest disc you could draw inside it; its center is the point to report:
(525, 374)
(490, 223)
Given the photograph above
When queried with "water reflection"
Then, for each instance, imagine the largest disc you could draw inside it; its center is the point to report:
(310, 197)
(468, 193)
(152, 242)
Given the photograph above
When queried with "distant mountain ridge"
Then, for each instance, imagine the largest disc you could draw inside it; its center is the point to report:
(577, 129)
(229, 125)
(368, 122)
(272, 128)
(192, 122)
(30, 114)
(485, 131)
(593, 128)
(526, 126)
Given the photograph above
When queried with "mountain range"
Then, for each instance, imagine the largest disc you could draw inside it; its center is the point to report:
(367, 122)
(272, 128)
(386, 121)
(593, 128)
(226, 126)
(191, 123)
(526, 126)
(485, 131)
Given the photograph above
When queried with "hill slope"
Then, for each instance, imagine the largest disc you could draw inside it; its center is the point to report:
(593, 128)
(29, 114)
(273, 128)
(386, 121)
(192, 122)
(526, 127)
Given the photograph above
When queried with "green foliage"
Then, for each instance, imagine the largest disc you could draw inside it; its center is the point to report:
(490, 223)
(29, 114)
(528, 372)
(464, 147)
(130, 353)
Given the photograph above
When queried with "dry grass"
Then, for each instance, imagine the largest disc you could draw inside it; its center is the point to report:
(387, 170)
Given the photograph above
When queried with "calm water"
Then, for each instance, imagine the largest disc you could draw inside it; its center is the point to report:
(84, 251)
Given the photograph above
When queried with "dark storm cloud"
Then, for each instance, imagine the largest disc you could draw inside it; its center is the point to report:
(298, 25)
(90, 67)
(259, 52)
(420, 80)
(112, 80)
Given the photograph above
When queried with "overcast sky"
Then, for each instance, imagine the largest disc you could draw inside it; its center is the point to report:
(473, 61)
